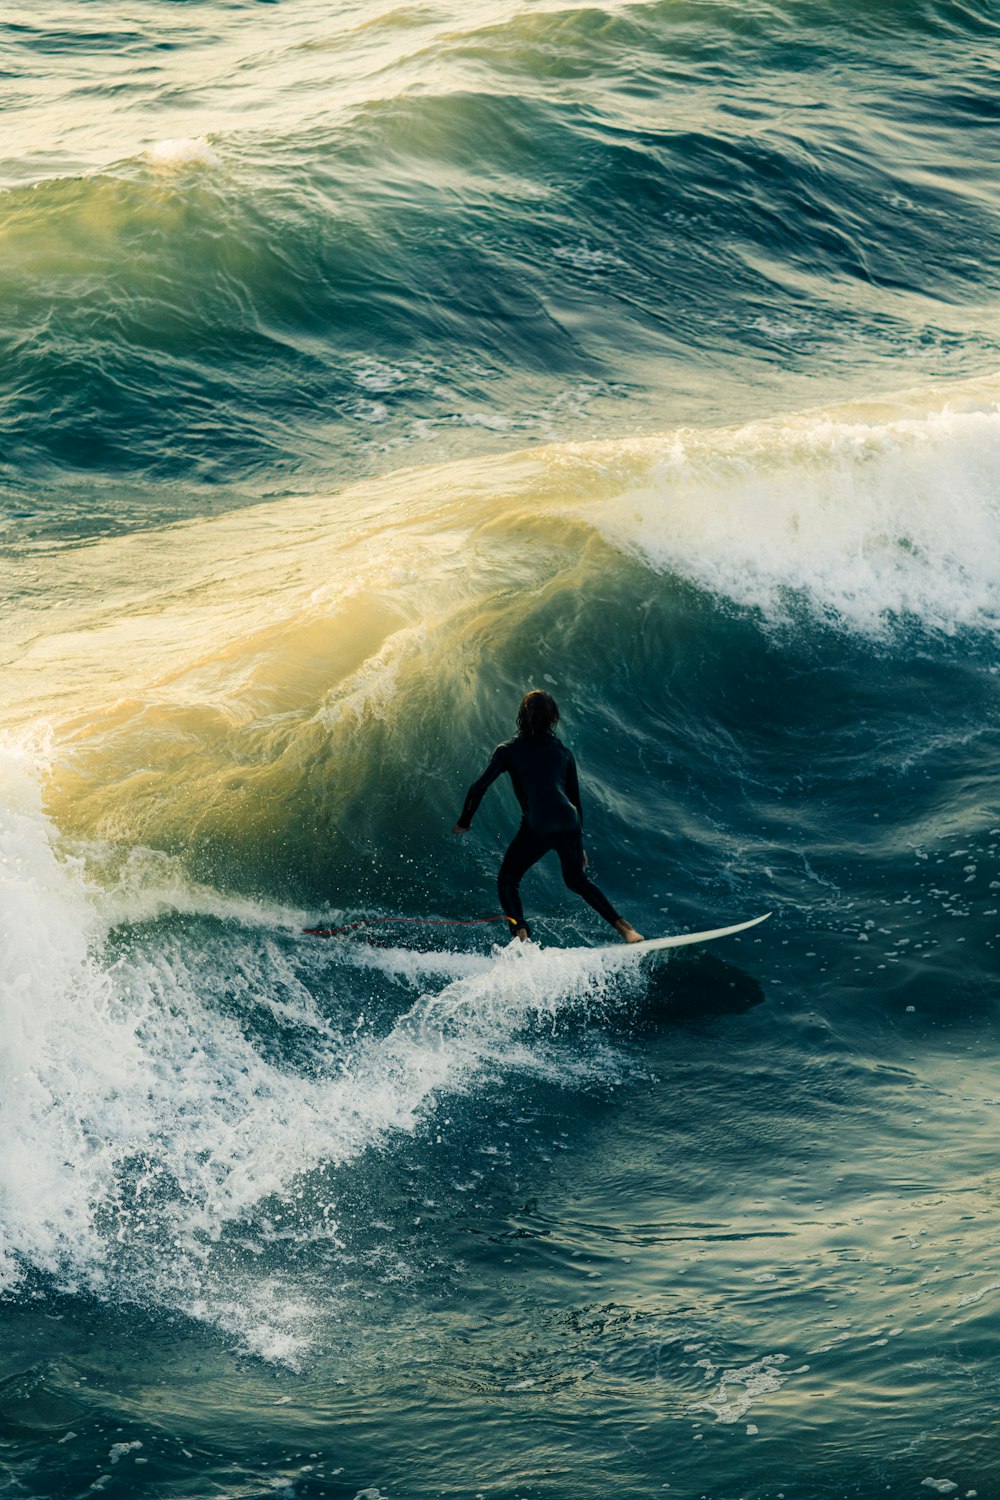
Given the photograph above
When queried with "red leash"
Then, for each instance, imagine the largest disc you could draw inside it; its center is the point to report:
(421, 921)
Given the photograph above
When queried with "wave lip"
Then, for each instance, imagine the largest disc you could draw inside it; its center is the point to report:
(859, 518)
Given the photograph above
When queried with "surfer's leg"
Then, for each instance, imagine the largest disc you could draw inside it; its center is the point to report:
(569, 848)
(523, 851)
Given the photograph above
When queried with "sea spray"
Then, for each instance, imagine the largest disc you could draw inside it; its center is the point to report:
(148, 1110)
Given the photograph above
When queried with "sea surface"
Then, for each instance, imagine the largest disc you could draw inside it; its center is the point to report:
(363, 365)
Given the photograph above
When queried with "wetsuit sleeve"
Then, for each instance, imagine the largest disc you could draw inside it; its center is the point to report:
(573, 786)
(476, 792)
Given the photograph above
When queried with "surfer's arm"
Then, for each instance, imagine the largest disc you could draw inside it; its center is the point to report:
(573, 787)
(573, 793)
(476, 792)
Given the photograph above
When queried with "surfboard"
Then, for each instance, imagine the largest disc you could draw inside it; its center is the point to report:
(682, 939)
(648, 945)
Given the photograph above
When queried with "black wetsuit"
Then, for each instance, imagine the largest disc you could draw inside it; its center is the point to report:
(545, 783)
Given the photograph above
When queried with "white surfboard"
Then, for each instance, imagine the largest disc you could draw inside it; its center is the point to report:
(681, 940)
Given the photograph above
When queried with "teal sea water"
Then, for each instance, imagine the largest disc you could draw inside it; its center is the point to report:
(363, 365)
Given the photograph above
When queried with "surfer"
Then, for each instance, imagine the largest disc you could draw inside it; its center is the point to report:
(543, 771)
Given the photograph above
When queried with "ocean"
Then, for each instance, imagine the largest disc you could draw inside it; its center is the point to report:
(365, 365)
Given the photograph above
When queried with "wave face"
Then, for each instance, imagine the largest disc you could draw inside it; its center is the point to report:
(366, 365)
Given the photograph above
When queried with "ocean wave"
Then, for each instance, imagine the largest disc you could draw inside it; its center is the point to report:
(253, 689)
(196, 306)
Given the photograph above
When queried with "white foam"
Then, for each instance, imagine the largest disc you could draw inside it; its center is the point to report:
(409, 964)
(972, 1297)
(376, 375)
(67, 1048)
(587, 259)
(183, 151)
(525, 978)
(739, 1390)
(860, 518)
(143, 885)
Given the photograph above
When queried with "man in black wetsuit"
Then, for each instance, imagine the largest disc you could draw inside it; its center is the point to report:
(545, 783)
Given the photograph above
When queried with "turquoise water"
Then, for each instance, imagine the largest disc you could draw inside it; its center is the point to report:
(364, 365)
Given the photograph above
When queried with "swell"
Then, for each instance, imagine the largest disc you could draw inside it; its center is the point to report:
(422, 260)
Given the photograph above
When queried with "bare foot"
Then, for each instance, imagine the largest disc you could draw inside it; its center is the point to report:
(522, 933)
(627, 931)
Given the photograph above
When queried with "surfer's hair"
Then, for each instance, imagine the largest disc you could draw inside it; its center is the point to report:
(538, 715)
